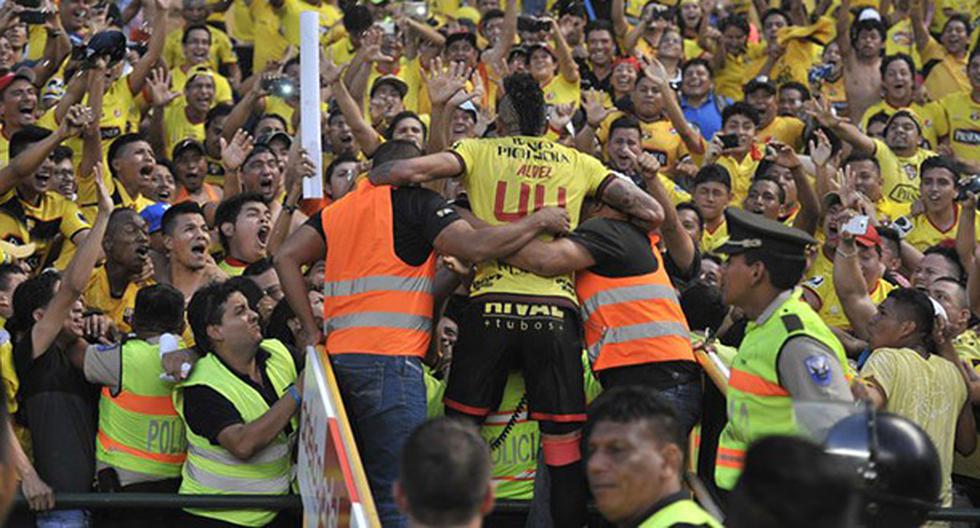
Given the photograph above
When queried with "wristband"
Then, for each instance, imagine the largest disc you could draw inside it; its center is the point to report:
(289, 208)
(294, 392)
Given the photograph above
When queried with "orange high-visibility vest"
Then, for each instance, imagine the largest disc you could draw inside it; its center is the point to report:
(632, 320)
(373, 302)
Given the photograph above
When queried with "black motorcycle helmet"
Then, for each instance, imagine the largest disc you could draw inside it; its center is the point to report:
(897, 465)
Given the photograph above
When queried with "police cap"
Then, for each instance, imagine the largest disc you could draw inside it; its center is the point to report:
(753, 231)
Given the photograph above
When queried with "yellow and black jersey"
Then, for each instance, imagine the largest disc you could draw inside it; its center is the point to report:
(960, 120)
(508, 178)
(23, 223)
(659, 138)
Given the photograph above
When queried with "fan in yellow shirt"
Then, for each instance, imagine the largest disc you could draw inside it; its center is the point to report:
(174, 118)
(760, 93)
(712, 194)
(556, 73)
(898, 85)
(221, 52)
(820, 293)
(196, 45)
(941, 220)
(270, 43)
(18, 108)
(960, 117)
(112, 288)
(943, 65)
(741, 161)
(737, 59)
(291, 10)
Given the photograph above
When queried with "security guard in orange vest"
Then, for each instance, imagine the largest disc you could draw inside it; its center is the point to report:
(141, 444)
(378, 304)
(635, 331)
(788, 353)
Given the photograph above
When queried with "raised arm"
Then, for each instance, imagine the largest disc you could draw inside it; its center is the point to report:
(417, 170)
(689, 135)
(233, 154)
(75, 277)
(618, 15)
(92, 136)
(498, 53)
(302, 248)
(919, 29)
(365, 135)
(154, 50)
(809, 214)
(56, 46)
(566, 62)
(298, 166)
(844, 29)
(679, 244)
(252, 103)
(445, 85)
(624, 196)
(966, 232)
(25, 164)
(158, 83)
(460, 239)
(820, 110)
(851, 288)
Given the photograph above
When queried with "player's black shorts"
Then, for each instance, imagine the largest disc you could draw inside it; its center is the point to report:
(543, 340)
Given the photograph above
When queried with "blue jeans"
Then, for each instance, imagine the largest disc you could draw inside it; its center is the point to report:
(63, 519)
(385, 401)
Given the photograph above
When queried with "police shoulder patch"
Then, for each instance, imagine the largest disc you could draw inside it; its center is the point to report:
(818, 367)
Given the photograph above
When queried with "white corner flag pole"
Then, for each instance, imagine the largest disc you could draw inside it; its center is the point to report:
(309, 98)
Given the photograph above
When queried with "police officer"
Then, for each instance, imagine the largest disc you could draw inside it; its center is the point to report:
(788, 354)
(635, 459)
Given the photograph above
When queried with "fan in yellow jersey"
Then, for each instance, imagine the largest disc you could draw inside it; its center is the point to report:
(760, 93)
(176, 119)
(18, 107)
(898, 88)
(737, 58)
(943, 62)
(960, 117)
(112, 287)
(899, 155)
(197, 41)
(220, 52)
(942, 217)
(515, 312)
(819, 291)
(29, 212)
(712, 194)
(130, 167)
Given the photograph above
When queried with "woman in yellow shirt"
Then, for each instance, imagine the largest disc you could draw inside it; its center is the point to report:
(555, 70)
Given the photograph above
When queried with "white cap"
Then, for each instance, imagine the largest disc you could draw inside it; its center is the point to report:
(869, 14)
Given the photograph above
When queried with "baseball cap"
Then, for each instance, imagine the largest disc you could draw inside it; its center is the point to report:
(870, 238)
(392, 81)
(832, 198)
(153, 214)
(187, 144)
(760, 82)
(267, 139)
(9, 79)
(539, 45)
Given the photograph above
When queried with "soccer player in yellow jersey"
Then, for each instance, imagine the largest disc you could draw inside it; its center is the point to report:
(514, 312)
(941, 220)
(960, 117)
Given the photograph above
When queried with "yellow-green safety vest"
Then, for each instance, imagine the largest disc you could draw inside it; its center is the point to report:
(686, 512)
(758, 406)
(211, 469)
(514, 459)
(139, 429)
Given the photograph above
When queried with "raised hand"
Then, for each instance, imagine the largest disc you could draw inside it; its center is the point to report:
(158, 83)
(819, 108)
(554, 220)
(821, 150)
(783, 155)
(102, 192)
(330, 72)
(595, 111)
(560, 116)
(233, 153)
(443, 83)
(76, 120)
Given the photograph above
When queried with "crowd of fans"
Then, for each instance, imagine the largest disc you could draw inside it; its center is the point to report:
(151, 200)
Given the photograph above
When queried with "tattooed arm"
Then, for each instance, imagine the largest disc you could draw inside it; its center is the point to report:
(624, 196)
(417, 170)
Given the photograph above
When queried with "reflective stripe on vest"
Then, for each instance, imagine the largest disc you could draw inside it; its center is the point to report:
(139, 429)
(758, 406)
(211, 469)
(374, 302)
(632, 320)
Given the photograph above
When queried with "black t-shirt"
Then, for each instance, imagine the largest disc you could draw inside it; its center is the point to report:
(60, 410)
(419, 216)
(207, 412)
(590, 80)
(622, 249)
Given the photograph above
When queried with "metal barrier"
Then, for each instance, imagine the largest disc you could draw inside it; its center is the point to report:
(104, 501)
